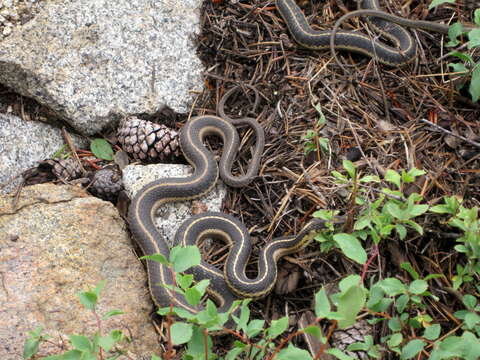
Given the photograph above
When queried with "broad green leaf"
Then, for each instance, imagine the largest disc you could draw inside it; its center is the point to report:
(254, 327)
(101, 149)
(394, 210)
(88, 299)
(111, 313)
(155, 357)
(351, 170)
(314, 331)
(80, 342)
(469, 301)
(184, 280)
(393, 177)
(181, 332)
(69, 355)
(322, 304)
(395, 340)
(474, 38)
(412, 349)
(418, 287)
(408, 267)
(458, 67)
(339, 354)
(349, 281)
(432, 332)
(417, 210)
(370, 178)
(349, 305)
(30, 348)
(184, 258)
(278, 327)
(196, 345)
(233, 353)
(193, 296)
(293, 353)
(392, 286)
(474, 88)
(394, 324)
(156, 257)
(106, 342)
(351, 247)
(435, 3)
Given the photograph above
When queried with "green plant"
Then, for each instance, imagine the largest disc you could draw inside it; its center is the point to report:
(93, 347)
(466, 220)
(467, 67)
(312, 139)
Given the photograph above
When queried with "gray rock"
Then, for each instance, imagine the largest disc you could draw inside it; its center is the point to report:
(58, 242)
(23, 144)
(96, 61)
(172, 215)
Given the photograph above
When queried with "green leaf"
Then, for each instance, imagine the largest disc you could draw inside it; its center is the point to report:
(418, 287)
(88, 299)
(184, 280)
(233, 353)
(351, 170)
(349, 305)
(155, 357)
(184, 258)
(408, 267)
(417, 210)
(349, 281)
(351, 247)
(314, 331)
(80, 342)
(395, 340)
(156, 257)
(339, 354)
(111, 313)
(392, 286)
(322, 304)
(181, 332)
(30, 348)
(458, 67)
(432, 332)
(392, 177)
(196, 345)
(277, 327)
(435, 3)
(254, 327)
(401, 231)
(193, 296)
(474, 38)
(469, 301)
(474, 88)
(69, 355)
(106, 342)
(101, 149)
(293, 353)
(412, 348)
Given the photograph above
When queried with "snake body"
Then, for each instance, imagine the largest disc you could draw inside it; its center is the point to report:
(231, 284)
(389, 25)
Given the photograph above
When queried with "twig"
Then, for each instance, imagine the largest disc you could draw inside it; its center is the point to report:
(471, 142)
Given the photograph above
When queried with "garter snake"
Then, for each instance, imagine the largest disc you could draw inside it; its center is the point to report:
(387, 24)
(231, 284)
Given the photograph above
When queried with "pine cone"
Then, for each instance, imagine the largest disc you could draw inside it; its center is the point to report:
(107, 183)
(148, 141)
(65, 169)
(353, 334)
